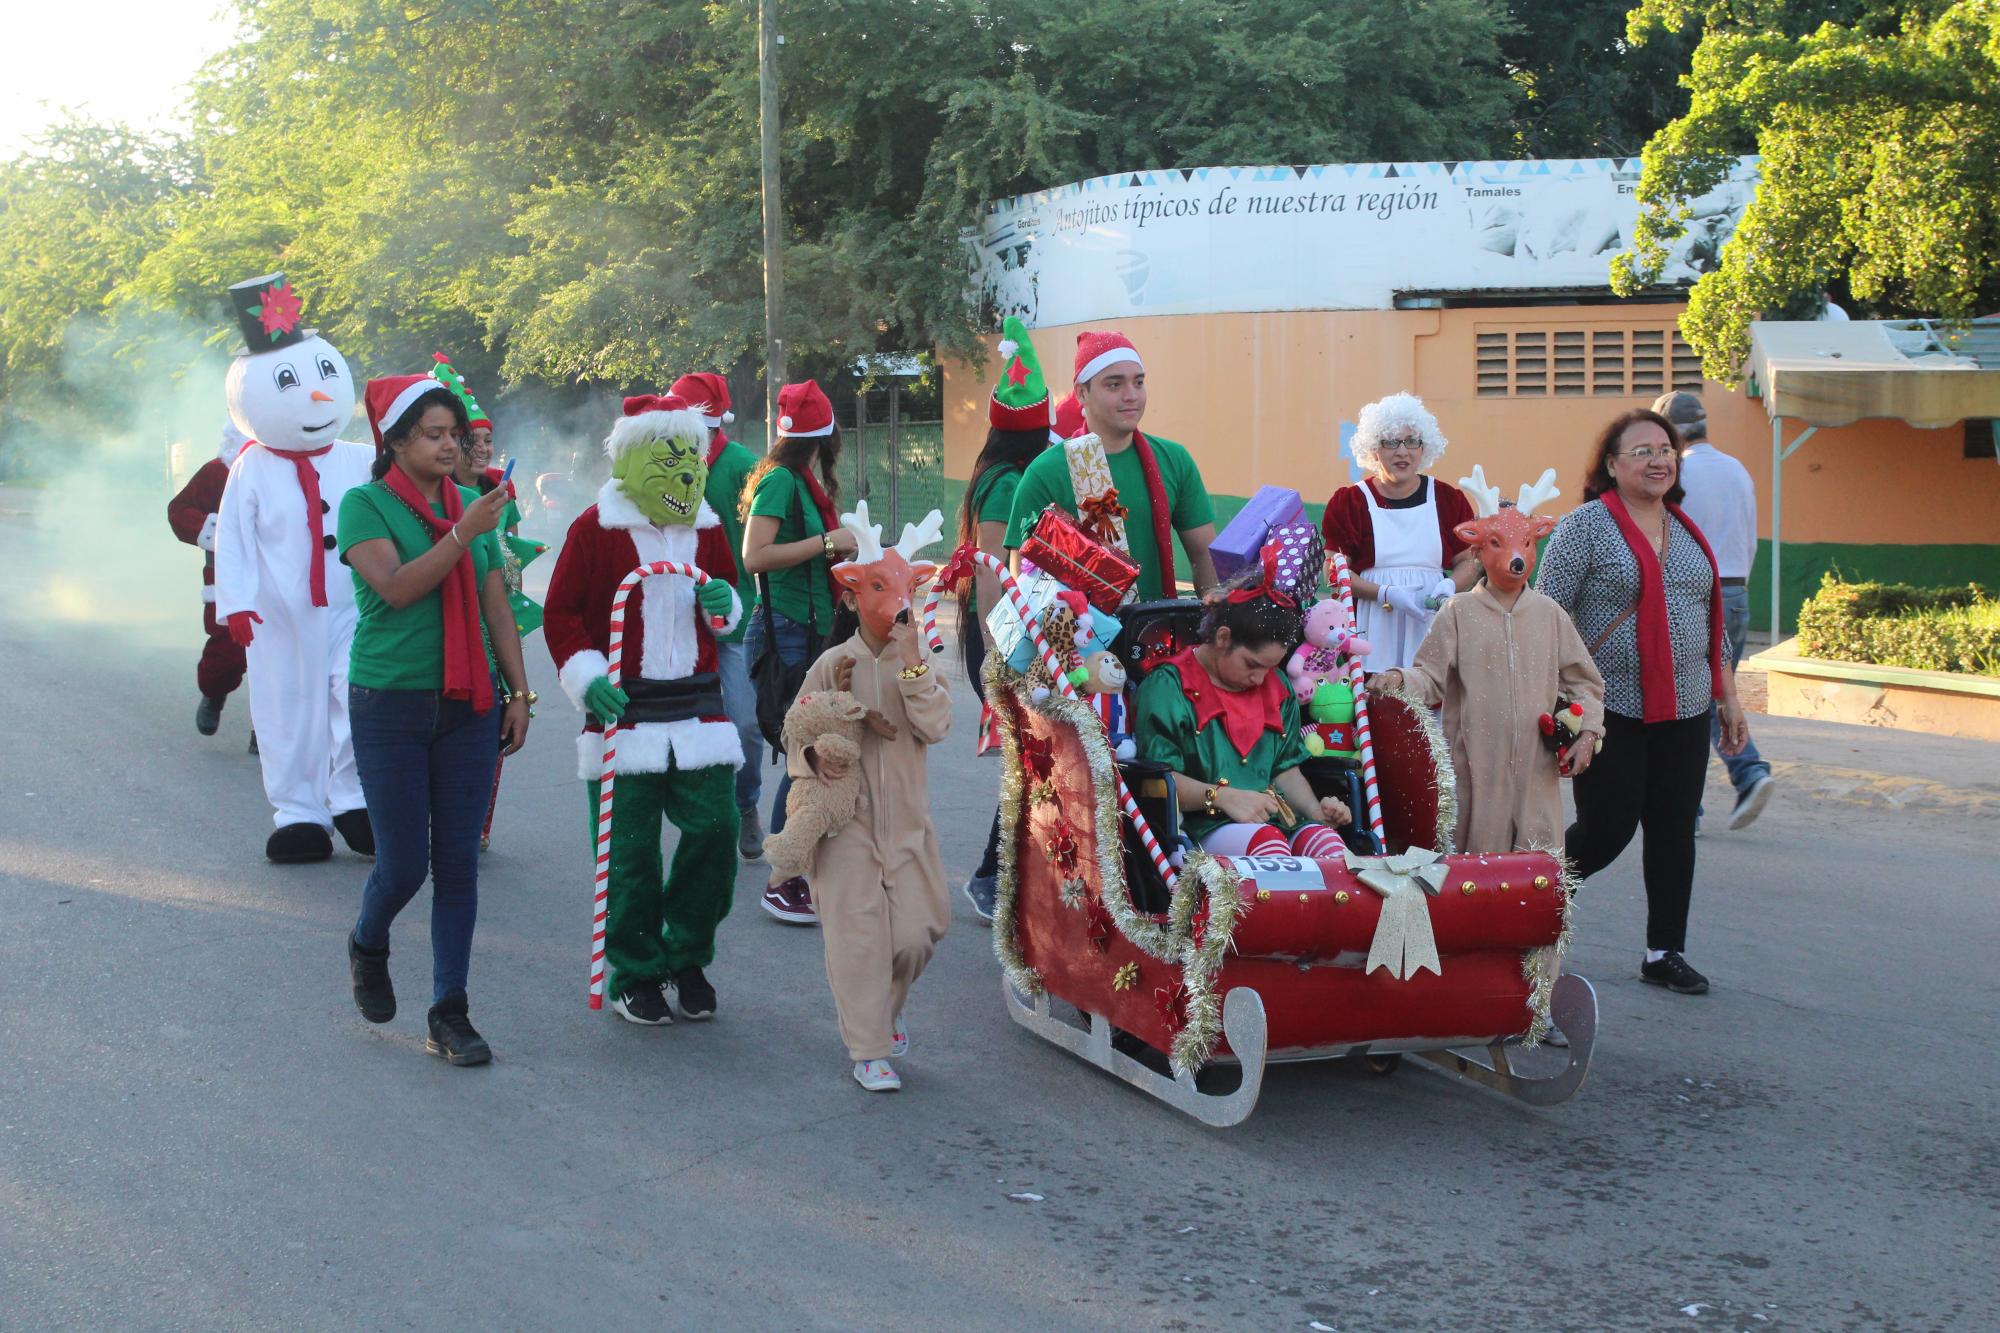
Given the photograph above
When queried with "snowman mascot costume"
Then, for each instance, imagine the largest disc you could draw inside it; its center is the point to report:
(278, 585)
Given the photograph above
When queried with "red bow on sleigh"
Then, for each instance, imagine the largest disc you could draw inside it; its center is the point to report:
(1268, 585)
(1102, 512)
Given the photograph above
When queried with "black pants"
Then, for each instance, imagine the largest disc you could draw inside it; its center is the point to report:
(974, 645)
(1649, 776)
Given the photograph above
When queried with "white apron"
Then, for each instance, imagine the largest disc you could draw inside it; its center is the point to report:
(1409, 553)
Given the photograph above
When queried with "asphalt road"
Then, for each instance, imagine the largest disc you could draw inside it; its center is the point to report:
(197, 1130)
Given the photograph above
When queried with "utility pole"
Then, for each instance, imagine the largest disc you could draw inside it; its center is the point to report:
(768, 42)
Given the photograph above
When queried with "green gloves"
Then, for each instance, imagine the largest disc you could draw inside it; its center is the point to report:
(605, 699)
(715, 597)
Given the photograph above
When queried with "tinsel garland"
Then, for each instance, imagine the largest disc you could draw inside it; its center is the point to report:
(1540, 967)
(1198, 949)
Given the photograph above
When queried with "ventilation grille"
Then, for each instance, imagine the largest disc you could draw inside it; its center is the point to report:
(1579, 363)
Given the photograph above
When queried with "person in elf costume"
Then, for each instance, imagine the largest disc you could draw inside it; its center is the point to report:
(516, 552)
(1223, 717)
(1019, 429)
(193, 514)
(290, 392)
(1132, 491)
(677, 750)
(729, 468)
(879, 882)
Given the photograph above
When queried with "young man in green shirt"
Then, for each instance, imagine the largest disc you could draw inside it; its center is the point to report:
(1134, 491)
(729, 467)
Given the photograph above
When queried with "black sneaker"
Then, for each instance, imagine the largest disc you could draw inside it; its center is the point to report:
(373, 995)
(452, 1035)
(697, 997)
(207, 715)
(645, 1004)
(356, 831)
(1673, 972)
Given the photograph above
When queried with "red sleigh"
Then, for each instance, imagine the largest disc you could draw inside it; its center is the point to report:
(1251, 961)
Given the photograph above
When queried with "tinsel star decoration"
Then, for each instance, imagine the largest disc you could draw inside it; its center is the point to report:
(1126, 977)
(1073, 891)
(1172, 1002)
(1062, 849)
(1097, 925)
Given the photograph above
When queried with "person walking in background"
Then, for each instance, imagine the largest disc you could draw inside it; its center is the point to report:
(1639, 580)
(1398, 529)
(428, 724)
(192, 514)
(729, 467)
(791, 537)
(1722, 501)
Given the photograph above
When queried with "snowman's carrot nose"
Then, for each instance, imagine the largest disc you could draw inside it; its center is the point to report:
(321, 396)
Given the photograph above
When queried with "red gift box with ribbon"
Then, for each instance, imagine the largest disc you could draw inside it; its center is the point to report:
(1077, 560)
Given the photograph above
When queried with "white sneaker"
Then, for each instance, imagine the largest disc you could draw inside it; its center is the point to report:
(899, 1040)
(1751, 803)
(877, 1076)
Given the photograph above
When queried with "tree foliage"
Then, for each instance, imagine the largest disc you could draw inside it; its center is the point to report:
(1878, 126)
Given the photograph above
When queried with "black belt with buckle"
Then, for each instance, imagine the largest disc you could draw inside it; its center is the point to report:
(699, 695)
(1735, 583)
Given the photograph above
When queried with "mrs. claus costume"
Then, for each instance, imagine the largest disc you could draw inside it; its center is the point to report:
(1407, 544)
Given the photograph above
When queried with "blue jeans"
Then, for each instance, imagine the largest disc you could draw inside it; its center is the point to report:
(792, 642)
(1747, 767)
(426, 765)
(739, 700)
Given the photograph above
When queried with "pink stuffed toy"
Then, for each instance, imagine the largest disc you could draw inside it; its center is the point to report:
(1330, 638)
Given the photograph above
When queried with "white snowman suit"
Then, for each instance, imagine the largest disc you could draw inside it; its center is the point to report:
(263, 563)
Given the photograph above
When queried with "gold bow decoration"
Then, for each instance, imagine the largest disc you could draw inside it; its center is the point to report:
(1103, 516)
(1403, 940)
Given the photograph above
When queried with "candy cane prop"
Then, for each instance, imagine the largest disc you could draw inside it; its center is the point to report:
(1343, 580)
(1034, 628)
(600, 910)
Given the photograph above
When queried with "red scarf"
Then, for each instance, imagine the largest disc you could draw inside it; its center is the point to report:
(829, 520)
(315, 512)
(465, 672)
(715, 449)
(1246, 714)
(1655, 642)
(1163, 519)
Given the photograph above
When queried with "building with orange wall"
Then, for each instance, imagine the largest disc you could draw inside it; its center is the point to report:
(1260, 396)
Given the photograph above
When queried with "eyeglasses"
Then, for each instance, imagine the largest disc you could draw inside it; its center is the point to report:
(1647, 453)
(1401, 446)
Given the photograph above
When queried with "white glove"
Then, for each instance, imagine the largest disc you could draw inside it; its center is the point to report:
(1441, 592)
(1407, 600)
(205, 539)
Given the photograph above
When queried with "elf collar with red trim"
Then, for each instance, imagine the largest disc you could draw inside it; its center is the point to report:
(1246, 714)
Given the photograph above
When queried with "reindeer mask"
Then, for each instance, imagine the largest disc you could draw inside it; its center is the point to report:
(1505, 532)
(884, 583)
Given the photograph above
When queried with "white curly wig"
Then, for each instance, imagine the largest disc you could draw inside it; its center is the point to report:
(1398, 414)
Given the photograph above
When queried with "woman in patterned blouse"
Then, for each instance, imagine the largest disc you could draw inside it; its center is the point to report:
(1639, 579)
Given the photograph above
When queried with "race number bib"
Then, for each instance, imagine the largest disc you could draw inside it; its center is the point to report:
(1279, 872)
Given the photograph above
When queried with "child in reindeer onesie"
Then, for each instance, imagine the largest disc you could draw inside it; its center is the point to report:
(879, 882)
(677, 751)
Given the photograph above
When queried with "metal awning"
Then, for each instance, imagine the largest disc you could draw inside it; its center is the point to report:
(1836, 372)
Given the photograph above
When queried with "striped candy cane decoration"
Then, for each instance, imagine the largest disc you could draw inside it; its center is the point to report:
(1343, 580)
(1034, 628)
(600, 909)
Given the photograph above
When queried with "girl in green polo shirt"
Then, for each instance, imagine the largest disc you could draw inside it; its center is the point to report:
(429, 721)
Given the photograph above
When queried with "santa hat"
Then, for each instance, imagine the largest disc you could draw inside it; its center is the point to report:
(649, 417)
(388, 398)
(1069, 419)
(803, 411)
(1099, 350)
(1020, 399)
(448, 376)
(708, 393)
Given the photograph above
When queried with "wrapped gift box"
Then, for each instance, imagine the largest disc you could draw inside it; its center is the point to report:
(1076, 559)
(1011, 639)
(1301, 558)
(1236, 547)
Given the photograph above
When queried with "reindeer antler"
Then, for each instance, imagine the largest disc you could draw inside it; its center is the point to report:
(916, 536)
(1543, 489)
(1485, 498)
(867, 536)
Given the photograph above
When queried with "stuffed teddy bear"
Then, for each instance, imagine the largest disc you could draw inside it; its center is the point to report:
(1329, 638)
(1103, 688)
(815, 810)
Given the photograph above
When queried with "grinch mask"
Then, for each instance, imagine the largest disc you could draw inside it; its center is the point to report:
(663, 478)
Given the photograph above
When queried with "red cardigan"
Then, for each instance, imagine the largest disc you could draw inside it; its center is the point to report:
(1350, 529)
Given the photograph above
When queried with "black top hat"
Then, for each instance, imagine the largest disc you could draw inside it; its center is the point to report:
(268, 311)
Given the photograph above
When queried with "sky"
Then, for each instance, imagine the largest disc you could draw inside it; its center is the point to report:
(122, 60)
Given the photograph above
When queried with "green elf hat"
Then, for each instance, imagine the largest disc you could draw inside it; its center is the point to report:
(448, 375)
(1020, 399)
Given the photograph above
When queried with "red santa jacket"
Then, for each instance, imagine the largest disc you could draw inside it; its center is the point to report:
(667, 636)
(191, 514)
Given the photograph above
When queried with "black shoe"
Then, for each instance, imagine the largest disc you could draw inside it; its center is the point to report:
(1673, 972)
(645, 1004)
(373, 995)
(452, 1034)
(696, 995)
(253, 742)
(207, 715)
(356, 831)
(296, 844)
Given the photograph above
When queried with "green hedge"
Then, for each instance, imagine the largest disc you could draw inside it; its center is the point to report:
(1894, 624)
